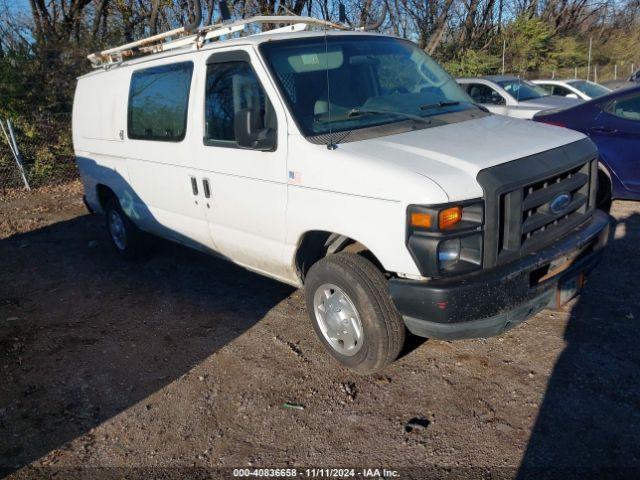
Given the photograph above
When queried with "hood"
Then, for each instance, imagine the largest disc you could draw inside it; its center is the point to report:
(551, 101)
(452, 155)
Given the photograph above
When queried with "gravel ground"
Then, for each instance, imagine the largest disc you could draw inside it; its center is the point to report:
(182, 363)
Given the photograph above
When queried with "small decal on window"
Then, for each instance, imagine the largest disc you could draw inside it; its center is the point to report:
(310, 59)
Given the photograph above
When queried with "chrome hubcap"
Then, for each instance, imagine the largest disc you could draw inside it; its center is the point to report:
(338, 319)
(116, 229)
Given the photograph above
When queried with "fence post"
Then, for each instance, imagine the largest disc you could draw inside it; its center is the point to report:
(595, 73)
(13, 146)
(575, 72)
(589, 61)
(615, 71)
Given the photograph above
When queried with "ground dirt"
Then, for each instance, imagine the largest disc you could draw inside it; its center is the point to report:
(183, 361)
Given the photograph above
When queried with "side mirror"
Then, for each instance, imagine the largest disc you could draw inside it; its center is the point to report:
(250, 132)
(572, 95)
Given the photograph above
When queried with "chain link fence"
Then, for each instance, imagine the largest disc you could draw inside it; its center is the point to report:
(595, 73)
(45, 151)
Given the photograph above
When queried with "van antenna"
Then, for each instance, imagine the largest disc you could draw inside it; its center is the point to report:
(331, 145)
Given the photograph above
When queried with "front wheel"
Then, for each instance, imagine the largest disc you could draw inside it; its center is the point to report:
(352, 313)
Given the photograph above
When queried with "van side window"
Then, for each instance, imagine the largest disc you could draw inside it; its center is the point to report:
(158, 102)
(231, 87)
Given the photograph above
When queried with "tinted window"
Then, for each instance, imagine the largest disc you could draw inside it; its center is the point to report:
(561, 91)
(628, 108)
(547, 88)
(593, 90)
(158, 102)
(484, 94)
(522, 90)
(232, 87)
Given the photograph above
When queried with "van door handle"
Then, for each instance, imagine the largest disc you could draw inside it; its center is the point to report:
(206, 188)
(194, 186)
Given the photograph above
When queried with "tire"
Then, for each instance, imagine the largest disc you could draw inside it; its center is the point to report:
(603, 197)
(345, 283)
(126, 238)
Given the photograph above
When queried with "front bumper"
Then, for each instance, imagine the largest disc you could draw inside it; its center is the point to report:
(487, 303)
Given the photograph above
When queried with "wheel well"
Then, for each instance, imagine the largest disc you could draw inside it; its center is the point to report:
(104, 194)
(317, 244)
(604, 178)
(604, 195)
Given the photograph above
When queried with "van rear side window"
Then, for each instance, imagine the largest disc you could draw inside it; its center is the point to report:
(158, 102)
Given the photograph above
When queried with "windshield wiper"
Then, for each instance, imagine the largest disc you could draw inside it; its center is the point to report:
(429, 106)
(356, 112)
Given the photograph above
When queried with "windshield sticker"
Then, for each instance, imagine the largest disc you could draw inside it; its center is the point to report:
(310, 59)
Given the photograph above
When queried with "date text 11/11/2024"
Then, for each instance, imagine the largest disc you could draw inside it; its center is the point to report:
(371, 473)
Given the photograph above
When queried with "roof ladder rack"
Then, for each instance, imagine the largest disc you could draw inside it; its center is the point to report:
(179, 37)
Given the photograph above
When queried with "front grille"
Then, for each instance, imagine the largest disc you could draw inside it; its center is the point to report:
(523, 210)
(528, 220)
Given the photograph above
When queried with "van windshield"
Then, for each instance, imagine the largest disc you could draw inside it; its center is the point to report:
(354, 82)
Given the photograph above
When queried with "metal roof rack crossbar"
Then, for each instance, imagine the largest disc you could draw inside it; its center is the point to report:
(180, 37)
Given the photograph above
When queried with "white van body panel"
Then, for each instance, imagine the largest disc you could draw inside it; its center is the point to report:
(441, 158)
(263, 203)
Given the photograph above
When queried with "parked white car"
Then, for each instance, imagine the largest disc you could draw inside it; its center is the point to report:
(511, 96)
(576, 88)
(393, 199)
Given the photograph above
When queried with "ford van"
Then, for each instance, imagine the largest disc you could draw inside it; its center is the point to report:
(349, 164)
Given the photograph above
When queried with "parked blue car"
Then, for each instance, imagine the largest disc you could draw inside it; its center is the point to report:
(613, 123)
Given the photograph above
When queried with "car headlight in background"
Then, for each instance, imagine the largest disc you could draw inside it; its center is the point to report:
(446, 239)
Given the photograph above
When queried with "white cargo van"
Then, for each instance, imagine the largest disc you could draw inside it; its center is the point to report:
(352, 165)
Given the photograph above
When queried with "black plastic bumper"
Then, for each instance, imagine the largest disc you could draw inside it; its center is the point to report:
(486, 303)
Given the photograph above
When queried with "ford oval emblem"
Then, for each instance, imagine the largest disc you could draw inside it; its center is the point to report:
(560, 202)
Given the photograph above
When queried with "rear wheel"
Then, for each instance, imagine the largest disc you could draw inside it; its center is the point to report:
(127, 239)
(349, 305)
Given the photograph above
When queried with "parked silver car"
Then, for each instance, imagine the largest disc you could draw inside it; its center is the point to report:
(512, 96)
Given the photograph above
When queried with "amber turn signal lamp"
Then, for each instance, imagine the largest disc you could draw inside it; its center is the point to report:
(448, 217)
(422, 220)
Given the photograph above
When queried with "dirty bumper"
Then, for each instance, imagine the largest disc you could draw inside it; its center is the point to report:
(487, 303)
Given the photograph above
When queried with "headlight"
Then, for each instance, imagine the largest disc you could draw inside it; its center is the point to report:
(446, 239)
(448, 253)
